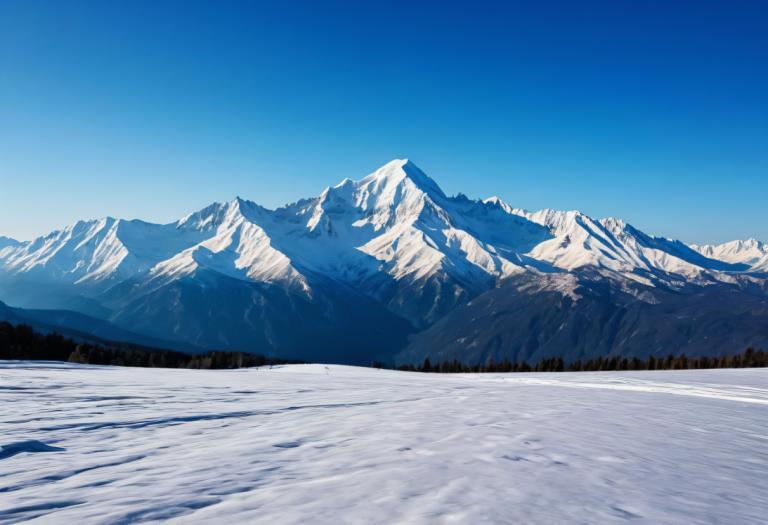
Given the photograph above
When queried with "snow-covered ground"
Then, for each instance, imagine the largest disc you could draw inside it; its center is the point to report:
(316, 444)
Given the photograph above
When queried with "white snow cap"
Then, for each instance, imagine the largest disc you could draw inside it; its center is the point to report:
(395, 222)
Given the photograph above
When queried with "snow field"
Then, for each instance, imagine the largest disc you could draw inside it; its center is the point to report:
(334, 444)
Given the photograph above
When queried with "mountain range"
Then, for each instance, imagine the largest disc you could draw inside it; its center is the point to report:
(391, 268)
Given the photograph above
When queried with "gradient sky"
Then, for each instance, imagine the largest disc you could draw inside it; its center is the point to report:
(655, 112)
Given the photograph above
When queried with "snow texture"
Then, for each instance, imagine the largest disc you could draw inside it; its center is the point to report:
(334, 444)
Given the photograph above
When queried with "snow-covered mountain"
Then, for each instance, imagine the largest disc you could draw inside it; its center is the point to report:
(579, 241)
(348, 275)
(750, 252)
(6, 242)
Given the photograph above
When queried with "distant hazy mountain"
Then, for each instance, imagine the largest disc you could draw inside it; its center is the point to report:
(7, 241)
(750, 252)
(350, 275)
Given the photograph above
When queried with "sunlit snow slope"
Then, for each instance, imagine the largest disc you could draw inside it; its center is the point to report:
(316, 444)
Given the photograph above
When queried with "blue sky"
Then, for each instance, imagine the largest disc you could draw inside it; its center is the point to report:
(655, 112)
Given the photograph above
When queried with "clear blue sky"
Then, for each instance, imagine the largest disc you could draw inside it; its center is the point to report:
(656, 112)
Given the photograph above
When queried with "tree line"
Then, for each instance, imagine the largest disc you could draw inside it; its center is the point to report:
(23, 343)
(750, 358)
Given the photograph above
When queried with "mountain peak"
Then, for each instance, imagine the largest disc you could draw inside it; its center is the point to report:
(397, 171)
(214, 215)
(500, 203)
(750, 251)
(240, 205)
(208, 218)
(7, 241)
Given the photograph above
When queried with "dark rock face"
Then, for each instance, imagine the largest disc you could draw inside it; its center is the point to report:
(528, 319)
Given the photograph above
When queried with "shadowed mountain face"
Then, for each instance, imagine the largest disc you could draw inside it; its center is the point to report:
(84, 328)
(210, 310)
(350, 275)
(6, 242)
(585, 315)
